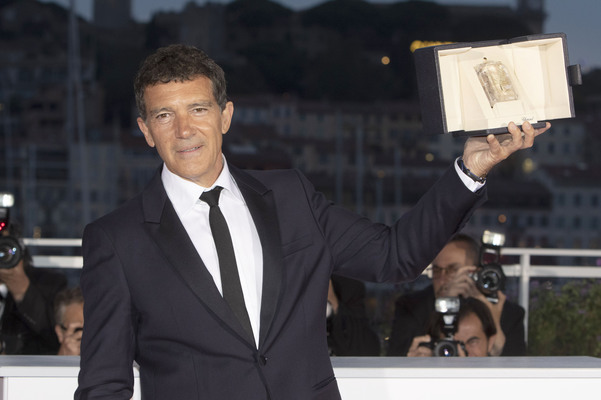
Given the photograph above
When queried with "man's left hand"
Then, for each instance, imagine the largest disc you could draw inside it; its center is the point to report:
(481, 154)
(16, 281)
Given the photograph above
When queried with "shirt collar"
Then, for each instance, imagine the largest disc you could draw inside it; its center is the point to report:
(184, 194)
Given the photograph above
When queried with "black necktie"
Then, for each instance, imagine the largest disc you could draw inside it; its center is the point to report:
(230, 280)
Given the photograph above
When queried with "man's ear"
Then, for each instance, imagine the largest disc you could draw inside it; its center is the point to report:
(491, 343)
(145, 131)
(226, 117)
(60, 334)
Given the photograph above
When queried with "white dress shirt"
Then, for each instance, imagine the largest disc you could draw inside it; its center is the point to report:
(194, 215)
(467, 181)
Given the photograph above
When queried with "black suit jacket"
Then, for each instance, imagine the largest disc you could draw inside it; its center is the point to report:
(149, 298)
(413, 313)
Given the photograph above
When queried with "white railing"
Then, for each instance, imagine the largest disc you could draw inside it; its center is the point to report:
(52, 261)
(524, 269)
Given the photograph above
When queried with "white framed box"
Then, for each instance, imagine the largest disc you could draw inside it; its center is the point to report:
(477, 88)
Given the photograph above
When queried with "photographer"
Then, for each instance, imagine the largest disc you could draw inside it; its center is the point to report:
(452, 271)
(348, 329)
(68, 314)
(26, 304)
(474, 332)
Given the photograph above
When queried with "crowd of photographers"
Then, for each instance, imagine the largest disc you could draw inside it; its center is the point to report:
(464, 312)
(467, 271)
(39, 314)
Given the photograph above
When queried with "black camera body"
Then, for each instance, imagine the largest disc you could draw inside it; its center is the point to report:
(11, 248)
(445, 347)
(489, 280)
(489, 276)
(447, 309)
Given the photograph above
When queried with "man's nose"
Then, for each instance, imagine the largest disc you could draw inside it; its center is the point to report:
(184, 127)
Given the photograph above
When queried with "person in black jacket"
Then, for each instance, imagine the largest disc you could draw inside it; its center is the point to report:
(451, 271)
(474, 333)
(349, 332)
(26, 306)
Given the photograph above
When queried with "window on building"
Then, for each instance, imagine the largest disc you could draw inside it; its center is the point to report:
(486, 220)
(560, 199)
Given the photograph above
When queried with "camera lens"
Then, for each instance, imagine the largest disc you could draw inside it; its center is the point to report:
(490, 280)
(445, 348)
(10, 252)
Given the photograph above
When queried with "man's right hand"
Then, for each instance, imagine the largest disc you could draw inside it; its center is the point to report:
(71, 344)
(420, 351)
(459, 284)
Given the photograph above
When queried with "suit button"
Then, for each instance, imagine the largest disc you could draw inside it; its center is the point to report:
(261, 359)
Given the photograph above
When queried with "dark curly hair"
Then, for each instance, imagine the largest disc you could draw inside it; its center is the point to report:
(178, 63)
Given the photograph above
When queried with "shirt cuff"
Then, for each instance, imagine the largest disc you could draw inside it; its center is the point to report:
(467, 181)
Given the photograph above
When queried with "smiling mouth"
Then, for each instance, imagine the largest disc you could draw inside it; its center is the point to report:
(190, 149)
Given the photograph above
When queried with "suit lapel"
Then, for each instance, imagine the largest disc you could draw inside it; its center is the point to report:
(164, 226)
(261, 205)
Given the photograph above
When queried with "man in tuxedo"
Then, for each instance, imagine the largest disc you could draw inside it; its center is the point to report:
(157, 279)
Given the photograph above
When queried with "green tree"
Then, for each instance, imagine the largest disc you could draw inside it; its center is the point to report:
(567, 322)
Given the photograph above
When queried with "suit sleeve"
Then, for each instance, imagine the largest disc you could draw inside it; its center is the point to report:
(375, 252)
(108, 342)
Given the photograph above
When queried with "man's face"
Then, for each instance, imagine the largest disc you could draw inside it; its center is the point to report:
(73, 314)
(72, 321)
(185, 124)
(471, 332)
(452, 257)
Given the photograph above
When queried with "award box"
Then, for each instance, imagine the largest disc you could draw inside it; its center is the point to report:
(475, 89)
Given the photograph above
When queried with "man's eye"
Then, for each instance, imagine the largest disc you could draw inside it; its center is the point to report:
(162, 116)
(199, 110)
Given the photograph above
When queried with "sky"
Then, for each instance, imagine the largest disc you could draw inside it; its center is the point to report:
(578, 19)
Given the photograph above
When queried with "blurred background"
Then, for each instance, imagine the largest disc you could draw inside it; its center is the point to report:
(324, 86)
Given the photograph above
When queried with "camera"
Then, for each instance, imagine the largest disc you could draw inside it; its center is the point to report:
(11, 248)
(489, 276)
(447, 309)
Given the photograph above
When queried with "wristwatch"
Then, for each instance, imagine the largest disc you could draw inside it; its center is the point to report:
(465, 170)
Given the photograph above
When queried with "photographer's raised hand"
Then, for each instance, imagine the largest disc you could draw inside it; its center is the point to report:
(70, 339)
(418, 350)
(16, 281)
(481, 154)
(459, 283)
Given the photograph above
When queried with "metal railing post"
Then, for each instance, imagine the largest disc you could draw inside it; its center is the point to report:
(524, 297)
